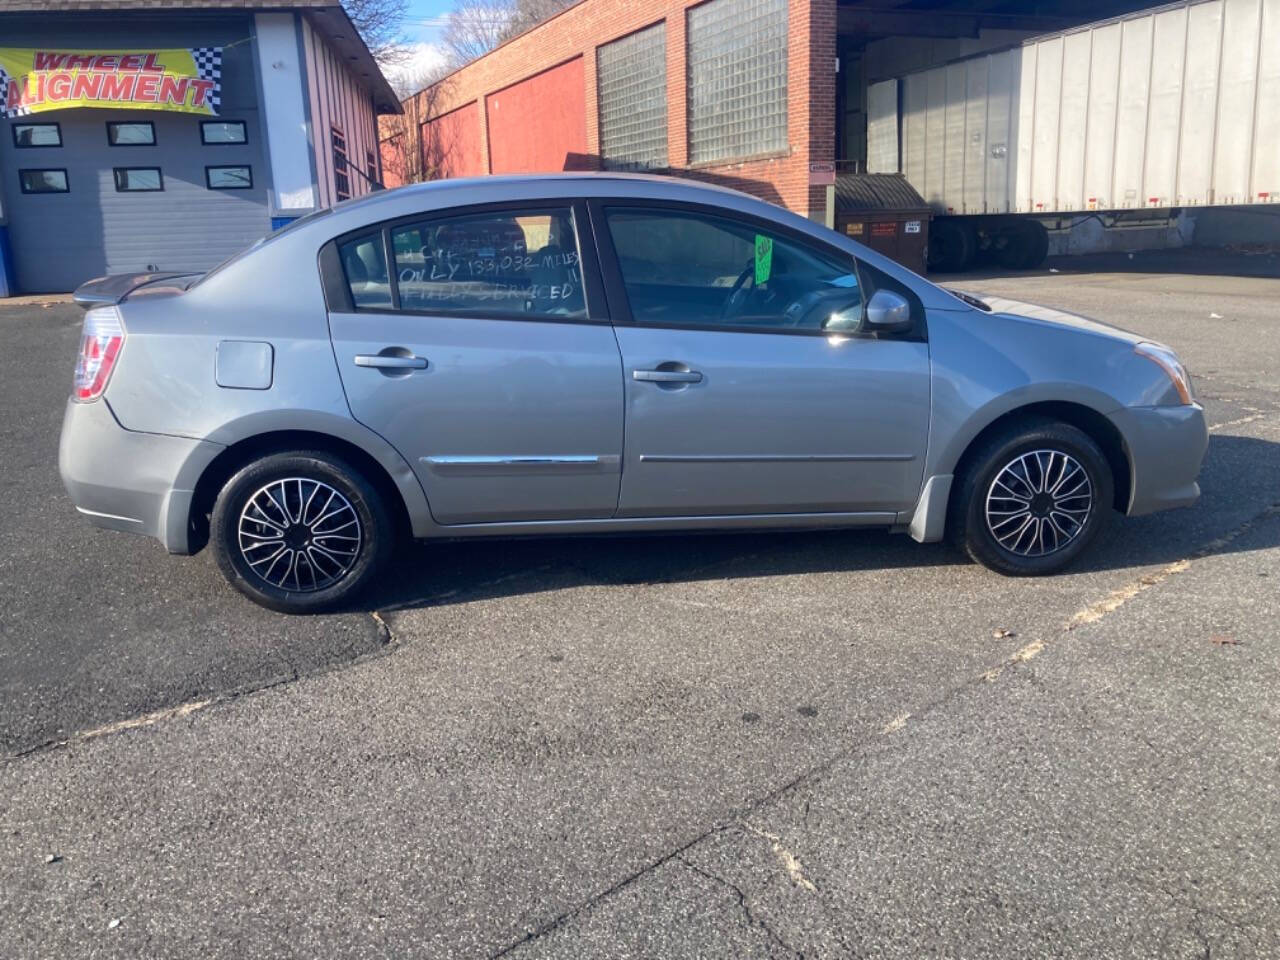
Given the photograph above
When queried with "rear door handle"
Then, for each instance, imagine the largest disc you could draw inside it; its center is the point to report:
(391, 362)
(667, 376)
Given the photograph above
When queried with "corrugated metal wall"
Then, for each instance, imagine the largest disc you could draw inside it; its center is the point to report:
(59, 240)
(1178, 106)
(339, 103)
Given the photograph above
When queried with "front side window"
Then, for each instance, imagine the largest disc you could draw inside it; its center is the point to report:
(690, 269)
(37, 135)
(138, 179)
(43, 181)
(493, 264)
(141, 133)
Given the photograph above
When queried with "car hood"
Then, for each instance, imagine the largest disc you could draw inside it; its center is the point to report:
(1021, 310)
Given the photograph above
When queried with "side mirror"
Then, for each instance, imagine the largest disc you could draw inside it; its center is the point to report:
(887, 312)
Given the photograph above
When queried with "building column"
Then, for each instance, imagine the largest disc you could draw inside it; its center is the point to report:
(677, 92)
(811, 97)
(286, 119)
(8, 283)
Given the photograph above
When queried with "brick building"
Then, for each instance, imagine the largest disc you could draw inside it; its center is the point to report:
(767, 96)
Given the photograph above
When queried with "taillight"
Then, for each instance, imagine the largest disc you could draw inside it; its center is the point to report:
(100, 344)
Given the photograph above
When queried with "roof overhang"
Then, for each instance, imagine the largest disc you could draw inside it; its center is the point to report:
(333, 24)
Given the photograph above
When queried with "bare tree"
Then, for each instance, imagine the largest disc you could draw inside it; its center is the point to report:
(527, 13)
(412, 150)
(379, 22)
(475, 27)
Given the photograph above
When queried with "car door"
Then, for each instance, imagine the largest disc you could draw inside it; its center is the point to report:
(485, 356)
(750, 388)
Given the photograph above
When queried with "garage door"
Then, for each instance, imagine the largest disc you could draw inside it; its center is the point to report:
(159, 197)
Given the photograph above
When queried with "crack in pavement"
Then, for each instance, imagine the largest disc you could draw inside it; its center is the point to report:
(752, 919)
(816, 772)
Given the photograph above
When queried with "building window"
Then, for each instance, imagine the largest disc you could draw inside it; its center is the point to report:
(37, 135)
(43, 181)
(371, 166)
(737, 60)
(341, 179)
(632, 100)
(217, 132)
(140, 133)
(237, 177)
(138, 179)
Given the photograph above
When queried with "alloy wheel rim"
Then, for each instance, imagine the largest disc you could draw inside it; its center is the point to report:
(299, 534)
(1039, 503)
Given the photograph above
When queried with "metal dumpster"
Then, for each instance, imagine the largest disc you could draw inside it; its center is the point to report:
(883, 211)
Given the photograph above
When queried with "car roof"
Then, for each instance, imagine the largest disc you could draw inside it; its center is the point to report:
(353, 216)
(503, 186)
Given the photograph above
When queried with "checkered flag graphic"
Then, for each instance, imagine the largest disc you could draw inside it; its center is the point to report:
(18, 111)
(209, 67)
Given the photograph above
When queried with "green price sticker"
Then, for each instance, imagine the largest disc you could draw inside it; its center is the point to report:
(764, 258)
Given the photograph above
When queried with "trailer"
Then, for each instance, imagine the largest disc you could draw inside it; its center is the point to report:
(1172, 107)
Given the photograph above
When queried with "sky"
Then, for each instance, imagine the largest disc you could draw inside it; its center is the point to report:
(423, 22)
(424, 19)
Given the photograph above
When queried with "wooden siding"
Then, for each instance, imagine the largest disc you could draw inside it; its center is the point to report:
(338, 100)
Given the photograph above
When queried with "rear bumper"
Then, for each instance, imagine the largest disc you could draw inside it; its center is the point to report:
(1166, 447)
(123, 480)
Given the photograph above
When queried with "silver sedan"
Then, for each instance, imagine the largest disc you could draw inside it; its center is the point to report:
(598, 353)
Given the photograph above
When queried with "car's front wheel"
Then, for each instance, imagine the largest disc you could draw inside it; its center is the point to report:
(300, 531)
(1031, 498)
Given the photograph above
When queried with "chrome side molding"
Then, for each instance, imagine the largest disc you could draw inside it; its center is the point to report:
(539, 465)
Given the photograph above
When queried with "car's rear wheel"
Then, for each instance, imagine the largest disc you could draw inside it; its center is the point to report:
(300, 531)
(1031, 498)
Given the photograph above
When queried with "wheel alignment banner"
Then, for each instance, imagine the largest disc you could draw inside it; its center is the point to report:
(185, 80)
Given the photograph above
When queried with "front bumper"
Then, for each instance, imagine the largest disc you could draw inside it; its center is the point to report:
(1166, 447)
(124, 480)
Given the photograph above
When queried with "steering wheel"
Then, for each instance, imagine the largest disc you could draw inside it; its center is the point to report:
(737, 294)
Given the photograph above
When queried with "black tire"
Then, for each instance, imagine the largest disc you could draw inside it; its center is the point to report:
(970, 528)
(1009, 245)
(338, 568)
(1035, 244)
(952, 246)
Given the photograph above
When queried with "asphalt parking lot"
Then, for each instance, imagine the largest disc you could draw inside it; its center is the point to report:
(817, 745)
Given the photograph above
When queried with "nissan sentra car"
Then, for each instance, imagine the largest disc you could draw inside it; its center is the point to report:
(598, 354)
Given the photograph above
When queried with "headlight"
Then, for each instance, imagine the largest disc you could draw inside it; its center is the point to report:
(1168, 361)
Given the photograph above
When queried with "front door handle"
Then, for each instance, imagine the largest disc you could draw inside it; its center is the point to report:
(667, 376)
(391, 361)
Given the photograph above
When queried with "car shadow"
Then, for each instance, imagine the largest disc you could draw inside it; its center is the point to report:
(1240, 479)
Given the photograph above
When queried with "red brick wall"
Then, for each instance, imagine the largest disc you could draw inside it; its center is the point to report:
(539, 124)
(576, 32)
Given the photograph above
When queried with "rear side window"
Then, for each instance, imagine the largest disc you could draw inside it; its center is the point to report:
(498, 263)
(685, 268)
(365, 264)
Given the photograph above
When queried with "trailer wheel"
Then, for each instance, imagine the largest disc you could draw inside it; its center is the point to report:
(1034, 242)
(952, 246)
(1009, 245)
